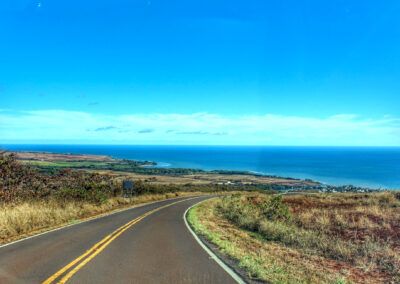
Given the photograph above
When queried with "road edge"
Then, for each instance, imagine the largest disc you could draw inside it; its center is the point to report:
(218, 260)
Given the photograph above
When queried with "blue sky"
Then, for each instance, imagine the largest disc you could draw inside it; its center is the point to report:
(200, 72)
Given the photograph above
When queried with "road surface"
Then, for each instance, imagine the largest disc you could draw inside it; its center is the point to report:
(147, 244)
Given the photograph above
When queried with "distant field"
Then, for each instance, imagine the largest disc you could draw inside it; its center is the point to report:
(52, 157)
(66, 164)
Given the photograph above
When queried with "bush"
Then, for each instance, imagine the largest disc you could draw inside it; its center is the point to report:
(20, 183)
(250, 211)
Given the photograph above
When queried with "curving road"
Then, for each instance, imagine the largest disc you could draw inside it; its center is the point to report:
(147, 244)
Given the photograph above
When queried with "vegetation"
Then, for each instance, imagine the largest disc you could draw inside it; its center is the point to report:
(19, 183)
(353, 236)
(263, 261)
(128, 166)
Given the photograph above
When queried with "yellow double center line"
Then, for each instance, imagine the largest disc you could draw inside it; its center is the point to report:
(97, 248)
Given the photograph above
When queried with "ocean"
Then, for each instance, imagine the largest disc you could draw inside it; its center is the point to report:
(374, 167)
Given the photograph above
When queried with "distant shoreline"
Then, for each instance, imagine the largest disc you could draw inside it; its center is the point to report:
(49, 161)
(366, 167)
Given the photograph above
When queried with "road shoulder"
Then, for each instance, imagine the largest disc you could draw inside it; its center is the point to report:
(228, 263)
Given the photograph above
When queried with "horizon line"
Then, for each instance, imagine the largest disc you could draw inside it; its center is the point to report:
(201, 145)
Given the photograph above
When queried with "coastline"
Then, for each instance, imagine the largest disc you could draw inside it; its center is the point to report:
(367, 167)
(152, 172)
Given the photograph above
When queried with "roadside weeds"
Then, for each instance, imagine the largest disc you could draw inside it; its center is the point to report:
(271, 261)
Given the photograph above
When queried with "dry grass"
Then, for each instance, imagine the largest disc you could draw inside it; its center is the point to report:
(265, 261)
(53, 157)
(356, 236)
(363, 229)
(350, 216)
(17, 221)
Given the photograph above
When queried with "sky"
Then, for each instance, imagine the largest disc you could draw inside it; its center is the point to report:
(200, 72)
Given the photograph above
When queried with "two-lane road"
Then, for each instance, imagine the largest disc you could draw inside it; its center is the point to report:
(147, 244)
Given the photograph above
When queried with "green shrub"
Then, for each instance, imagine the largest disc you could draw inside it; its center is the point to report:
(20, 183)
(250, 211)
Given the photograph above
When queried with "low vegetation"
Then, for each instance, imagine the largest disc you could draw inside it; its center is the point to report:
(309, 238)
(19, 183)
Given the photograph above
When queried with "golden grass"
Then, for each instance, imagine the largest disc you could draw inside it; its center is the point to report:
(354, 236)
(17, 221)
(265, 261)
(362, 229)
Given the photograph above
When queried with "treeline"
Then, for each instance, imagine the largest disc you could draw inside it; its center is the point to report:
(138, 163)
(48, 169)
(137, 167)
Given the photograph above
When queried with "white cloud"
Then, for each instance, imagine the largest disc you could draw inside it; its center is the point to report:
(204, 128)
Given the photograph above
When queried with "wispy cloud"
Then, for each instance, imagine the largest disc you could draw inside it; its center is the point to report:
(268, 129)
(201, 133)
(146, 131)
(105, 128)
(81, 96)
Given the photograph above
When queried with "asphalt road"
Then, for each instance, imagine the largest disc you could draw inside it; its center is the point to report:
(148, 244)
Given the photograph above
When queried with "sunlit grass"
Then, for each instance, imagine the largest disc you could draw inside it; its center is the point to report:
(266, 263)
(346, 237)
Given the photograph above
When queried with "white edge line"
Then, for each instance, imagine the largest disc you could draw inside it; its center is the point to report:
(90, 219)
(225, 267)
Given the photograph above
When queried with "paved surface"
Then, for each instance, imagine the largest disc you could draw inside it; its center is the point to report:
(155, 249)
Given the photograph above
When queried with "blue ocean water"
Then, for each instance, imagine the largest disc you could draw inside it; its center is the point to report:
(375, 167)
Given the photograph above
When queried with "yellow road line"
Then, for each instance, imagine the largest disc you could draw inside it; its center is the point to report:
(86, 260)
(65, 268)
(98, 247)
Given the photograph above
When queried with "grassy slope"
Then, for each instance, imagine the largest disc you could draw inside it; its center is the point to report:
(263, 262)
(311, 247)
